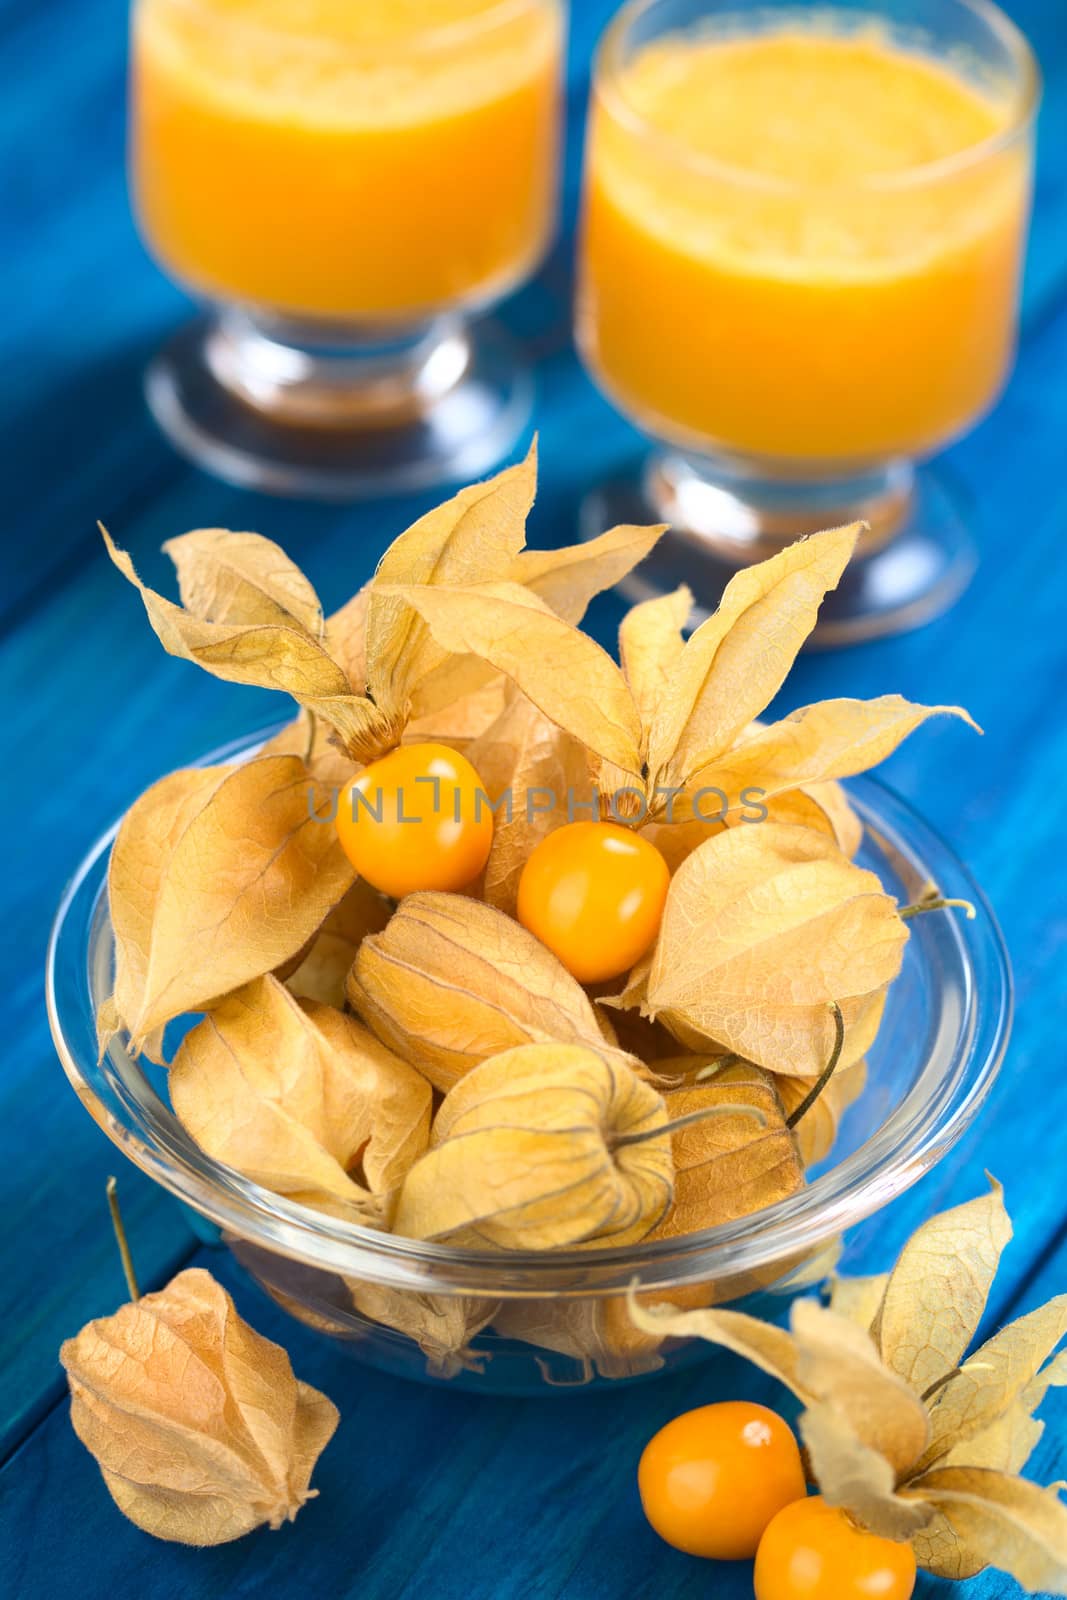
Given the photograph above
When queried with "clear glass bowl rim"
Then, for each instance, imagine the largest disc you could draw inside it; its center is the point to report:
(607, 81)
(912, 1139)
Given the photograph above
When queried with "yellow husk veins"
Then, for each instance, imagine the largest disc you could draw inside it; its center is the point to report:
(912, 1443)
(764, 928)
(299, 1097)
(735, 663)
(441, 1325)
(450, 982)
(217, 876)
(242, 578)
(323, 968)
(566, 675)
(524, 754)
(524, 1155)
(474, 537)
(197, 1423)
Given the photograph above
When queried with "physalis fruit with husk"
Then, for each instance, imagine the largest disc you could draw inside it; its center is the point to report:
(912, 1437)
(196, 1421)
(572, 822)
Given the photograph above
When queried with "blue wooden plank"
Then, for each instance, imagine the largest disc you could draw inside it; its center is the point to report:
(424, 1495)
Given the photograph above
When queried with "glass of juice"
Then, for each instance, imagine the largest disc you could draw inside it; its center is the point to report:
(802, 241)
(345, 185)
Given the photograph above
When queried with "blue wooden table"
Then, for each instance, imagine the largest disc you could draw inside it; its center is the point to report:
(425, 1493)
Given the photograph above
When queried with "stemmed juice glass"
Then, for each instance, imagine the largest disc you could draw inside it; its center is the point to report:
(344, 184)
(802, 240)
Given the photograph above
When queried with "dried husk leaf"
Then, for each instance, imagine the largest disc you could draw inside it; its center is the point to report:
(772, 1349)
(299, 1097)
(524, 1155)
(831, 739)
(527, 756)
(727, 1166)
(275, 655)
(817, 805)
(938, 1289)
(997, 1375)
(650, 644)
(316, 744)
(763, 930)
(198, 1425)
(441, 1325)
(567, 579)
(346, 639)
(1008, 1443)
(465, 718)
(735, 663)
(474, 537)
(853, 1474)
(243, 578)
(598, 1333)
(322, 972)
(858, 1299)
(990, 1518)
(566, 675)
(450, 982)
(838, 1363)
(140, 857)
(214, 880)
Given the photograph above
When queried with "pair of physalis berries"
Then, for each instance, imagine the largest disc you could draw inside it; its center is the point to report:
(419, 818)
(727, 1482)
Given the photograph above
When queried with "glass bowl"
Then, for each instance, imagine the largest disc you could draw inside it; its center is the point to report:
(523, 1322)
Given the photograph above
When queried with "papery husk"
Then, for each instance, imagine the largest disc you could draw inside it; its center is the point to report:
(938, 1289)
(217, 875)
(243, 578)
(316, 744)
(450, 982)
(474, 537)
(594, 1331)
(441, 1325)
(528, 1153)
(566, 674)
(197, 1423)
(528, 757)
(462, 720)
(829, 740)
(788, 928)
(567, 579)
(324, 966)
(728, 1166)
(816, 1132)
(735, 662)
(650, 645)
(280, 653)
(299, 1097)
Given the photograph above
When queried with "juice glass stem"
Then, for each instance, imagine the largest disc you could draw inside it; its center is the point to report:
(913, 559)
(330, 377)
(340, 412)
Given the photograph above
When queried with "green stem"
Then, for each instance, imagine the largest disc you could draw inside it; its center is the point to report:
(121, 1239)
(938, 903)
(827, 1072)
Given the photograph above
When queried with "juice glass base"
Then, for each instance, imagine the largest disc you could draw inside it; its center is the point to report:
(912, 563)
(339, 414)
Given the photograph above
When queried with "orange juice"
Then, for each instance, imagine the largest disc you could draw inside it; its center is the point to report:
(800, 245)
(346, 160)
